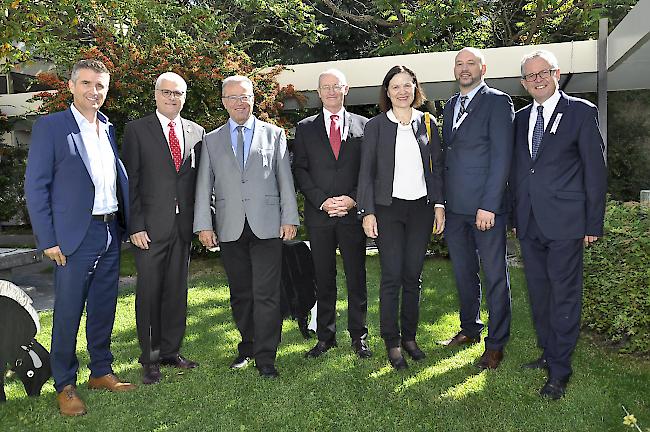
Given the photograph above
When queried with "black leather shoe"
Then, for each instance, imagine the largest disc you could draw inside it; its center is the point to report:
(540, 363)
(151, 373)
(398, 363)
(360, 347)
(268, 371)
(554, 389)
(180, 362)
(460, 339)
(240, 362)
(412, 348)
(321, 348)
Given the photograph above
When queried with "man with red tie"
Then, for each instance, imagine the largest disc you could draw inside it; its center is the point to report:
(327, 155)
(161, 156)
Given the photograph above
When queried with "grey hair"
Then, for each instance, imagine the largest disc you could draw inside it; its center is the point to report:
(543, 54)
(479, 55)
(335, 72)
(173, 77)
(92, 64)
(236, 79)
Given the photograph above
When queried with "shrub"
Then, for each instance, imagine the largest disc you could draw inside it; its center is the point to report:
(617, 278)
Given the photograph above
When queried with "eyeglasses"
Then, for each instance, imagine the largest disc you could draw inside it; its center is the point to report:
(543, 74)
(242, 98)
(335, 88)
(170, 94)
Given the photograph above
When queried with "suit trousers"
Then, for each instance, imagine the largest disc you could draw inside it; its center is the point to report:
(351, 241)
(161, 295)
(469, 249)
(253, 267)
(89, 278)
(554, 276)
(404, 232)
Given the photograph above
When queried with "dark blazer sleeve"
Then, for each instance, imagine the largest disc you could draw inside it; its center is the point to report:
(38, 179)
(368, 168)
(501, 130)
(305, 183)
(131, 155)
(592, 153)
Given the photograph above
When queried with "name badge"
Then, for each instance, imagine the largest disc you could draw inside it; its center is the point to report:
(556, 123)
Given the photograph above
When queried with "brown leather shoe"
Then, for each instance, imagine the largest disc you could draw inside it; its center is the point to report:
(70, 404)
(109, 382)
(460, 339)
(490, 359)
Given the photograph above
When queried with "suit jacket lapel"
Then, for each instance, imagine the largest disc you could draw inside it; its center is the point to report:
(256, 144)
(156, 131)
(347, 124)
(321, 133)
(226, 141)
(561, 106)
(78, 140)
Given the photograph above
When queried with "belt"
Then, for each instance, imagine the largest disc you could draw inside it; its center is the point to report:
(109, 217)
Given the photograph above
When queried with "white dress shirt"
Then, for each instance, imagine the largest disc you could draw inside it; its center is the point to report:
(549, 107)
(408, 179)
(178, 128)
(102, 162)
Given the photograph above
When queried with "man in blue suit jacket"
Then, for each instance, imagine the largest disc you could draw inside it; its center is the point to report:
(478, 140)
(76, 190)
(559, 182)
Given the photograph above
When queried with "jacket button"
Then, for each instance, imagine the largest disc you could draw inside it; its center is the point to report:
(449, 148)
(532, 170)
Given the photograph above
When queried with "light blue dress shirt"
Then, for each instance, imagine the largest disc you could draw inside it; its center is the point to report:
(249, 126)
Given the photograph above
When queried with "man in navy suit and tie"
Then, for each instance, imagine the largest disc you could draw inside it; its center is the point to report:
(478, 142)
(327, 153)
(77, 196)
(559, 182)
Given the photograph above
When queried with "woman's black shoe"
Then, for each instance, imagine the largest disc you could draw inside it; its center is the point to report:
(412, 348)
(398, 362)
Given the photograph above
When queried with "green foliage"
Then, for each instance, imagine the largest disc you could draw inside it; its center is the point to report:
(12, 172)
(617, 278)
(628, 143)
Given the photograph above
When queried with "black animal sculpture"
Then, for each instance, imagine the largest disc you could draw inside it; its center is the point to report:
(18, 349)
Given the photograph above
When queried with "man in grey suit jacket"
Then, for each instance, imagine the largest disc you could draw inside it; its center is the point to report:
(478, 141)
(161, 152)
(245, 166)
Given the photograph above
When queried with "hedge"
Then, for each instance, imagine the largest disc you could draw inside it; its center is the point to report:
(617, 278)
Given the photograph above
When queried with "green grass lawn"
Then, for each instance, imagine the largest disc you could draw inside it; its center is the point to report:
(339, 392)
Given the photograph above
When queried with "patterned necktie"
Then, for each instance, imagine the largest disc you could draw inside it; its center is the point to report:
(335, 135)
(538, 132)
(240, 146)
(175, 146)
(461, 111)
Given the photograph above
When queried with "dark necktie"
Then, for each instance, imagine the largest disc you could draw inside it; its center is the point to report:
(240, 146)
(335, 135)
(461, 111)
(175, 146)
(538, 132)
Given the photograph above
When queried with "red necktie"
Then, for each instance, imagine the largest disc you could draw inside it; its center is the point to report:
(335, 135)
(175, 146)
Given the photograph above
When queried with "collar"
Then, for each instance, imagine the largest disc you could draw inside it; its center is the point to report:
(165, 121)
(549, 104)
(472, 93)
(391, 115)
(328, 113)
(248, 125)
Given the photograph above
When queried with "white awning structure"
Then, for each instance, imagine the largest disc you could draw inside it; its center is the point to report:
(628, 66)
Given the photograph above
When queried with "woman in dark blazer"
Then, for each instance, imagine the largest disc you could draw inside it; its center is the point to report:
(400, 192)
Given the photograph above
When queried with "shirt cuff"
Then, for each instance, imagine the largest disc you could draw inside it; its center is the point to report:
(442, 206)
